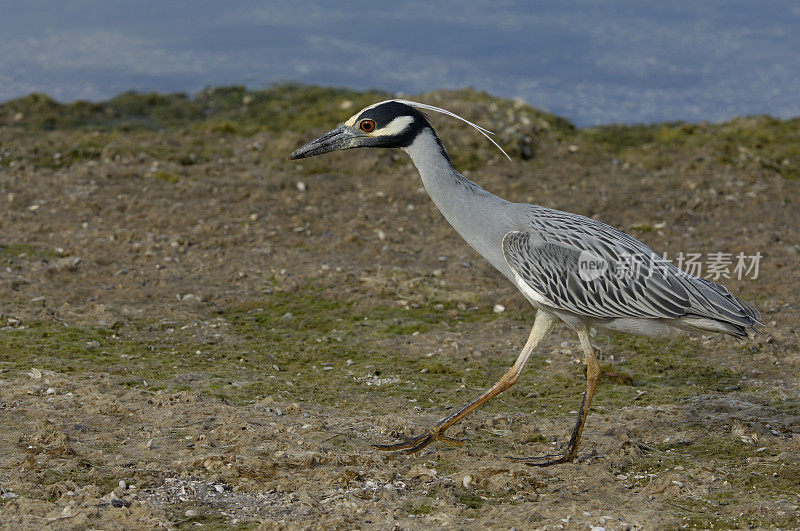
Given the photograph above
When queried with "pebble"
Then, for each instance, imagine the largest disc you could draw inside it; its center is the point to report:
(466, 481)
(499, 308)
(191, 512)
(301, 186)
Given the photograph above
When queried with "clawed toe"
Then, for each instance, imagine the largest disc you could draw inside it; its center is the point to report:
(414, 444)
(539, 458)
(408, 445)
(544, 460)
(450, 440)
(555, 459)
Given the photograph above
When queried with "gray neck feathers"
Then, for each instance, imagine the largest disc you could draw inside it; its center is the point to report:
(480, 217)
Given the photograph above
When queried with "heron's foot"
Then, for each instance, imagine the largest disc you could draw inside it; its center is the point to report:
(549, 460)
(415, 444)
(544, 460)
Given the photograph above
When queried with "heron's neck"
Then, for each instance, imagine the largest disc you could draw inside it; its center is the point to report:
(480, 217)
(444, 184)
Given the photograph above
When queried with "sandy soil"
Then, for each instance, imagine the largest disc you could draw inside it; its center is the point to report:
(178, 345)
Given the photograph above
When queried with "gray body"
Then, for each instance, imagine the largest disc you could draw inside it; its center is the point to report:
(537, 249)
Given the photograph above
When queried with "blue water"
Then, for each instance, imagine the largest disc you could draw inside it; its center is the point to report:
(593, 61)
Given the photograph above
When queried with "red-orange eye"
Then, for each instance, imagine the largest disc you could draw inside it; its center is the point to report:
(367, 126)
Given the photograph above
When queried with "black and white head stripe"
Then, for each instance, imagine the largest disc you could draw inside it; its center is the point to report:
(393, 119)
(393, 124)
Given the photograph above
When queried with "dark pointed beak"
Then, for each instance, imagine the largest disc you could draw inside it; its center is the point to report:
(340, 138)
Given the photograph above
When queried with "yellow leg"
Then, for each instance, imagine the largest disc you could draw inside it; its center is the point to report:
(543, 323)
(592, 378)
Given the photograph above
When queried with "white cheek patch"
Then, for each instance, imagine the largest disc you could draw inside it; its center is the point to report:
(395, 127)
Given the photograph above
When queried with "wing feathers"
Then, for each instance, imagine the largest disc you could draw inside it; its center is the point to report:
(548, 258)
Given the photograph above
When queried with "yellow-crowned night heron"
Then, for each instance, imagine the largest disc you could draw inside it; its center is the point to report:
(571, 268)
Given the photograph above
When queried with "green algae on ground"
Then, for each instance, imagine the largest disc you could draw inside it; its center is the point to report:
(321, 349)
(763, 141)
(335, 348)
(644, 372)
(11, 253)
(229, 110)
(766, 142)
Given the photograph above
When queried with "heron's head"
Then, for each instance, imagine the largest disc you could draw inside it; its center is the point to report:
(389, 124)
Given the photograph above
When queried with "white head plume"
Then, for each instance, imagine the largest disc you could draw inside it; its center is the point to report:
(485, 132)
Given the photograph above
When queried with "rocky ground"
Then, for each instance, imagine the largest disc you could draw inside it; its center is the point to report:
(196, 331)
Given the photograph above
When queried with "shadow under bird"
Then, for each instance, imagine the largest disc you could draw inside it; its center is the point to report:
(572, 269)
